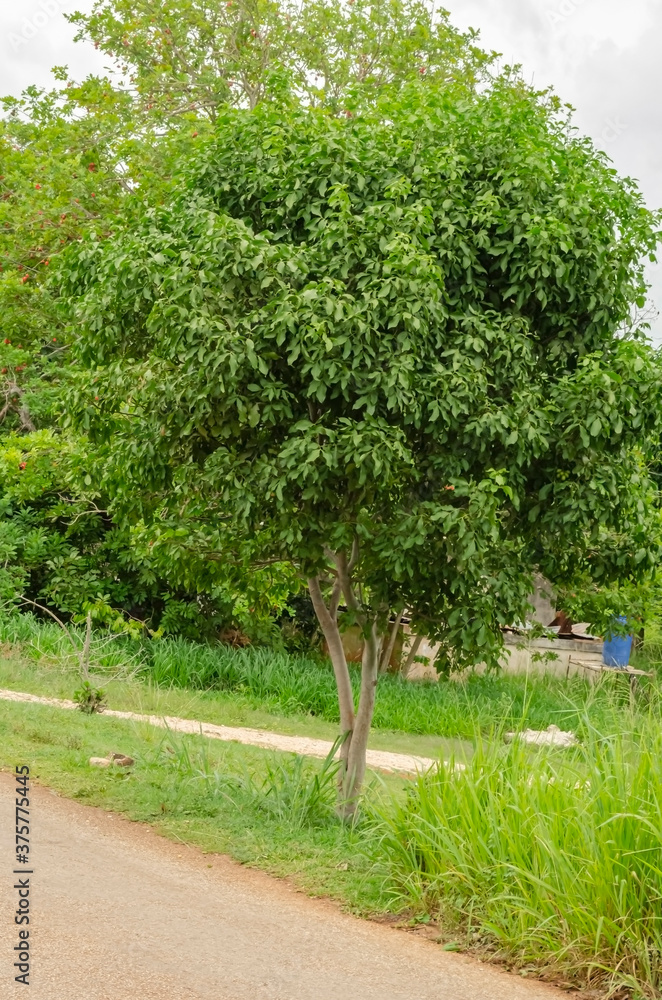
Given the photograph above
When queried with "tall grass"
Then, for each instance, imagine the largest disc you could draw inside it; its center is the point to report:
(554, 860)
(294, 684)
(46, 639)
(293, 791)
(291, 685)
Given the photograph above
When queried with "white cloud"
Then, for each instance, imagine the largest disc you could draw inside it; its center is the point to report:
(34, 37)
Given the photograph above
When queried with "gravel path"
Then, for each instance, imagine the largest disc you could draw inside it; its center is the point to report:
(119, 913)
(379, 760)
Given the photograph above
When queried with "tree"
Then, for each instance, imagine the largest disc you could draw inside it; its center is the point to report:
(70, 160)
(197, 56)
(384, 348)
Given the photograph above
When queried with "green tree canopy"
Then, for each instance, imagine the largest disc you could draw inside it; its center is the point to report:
(200, 55)
(386, 349)
(71, 161)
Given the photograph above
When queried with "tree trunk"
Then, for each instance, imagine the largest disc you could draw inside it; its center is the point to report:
(390, 646)
(354, 726)
(328, 619)
(415, 646)
(356, 761)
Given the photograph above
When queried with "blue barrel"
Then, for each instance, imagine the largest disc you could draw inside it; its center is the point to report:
(617, 648)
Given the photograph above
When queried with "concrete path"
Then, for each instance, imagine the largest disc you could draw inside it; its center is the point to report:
(119, 913)
(379, 760)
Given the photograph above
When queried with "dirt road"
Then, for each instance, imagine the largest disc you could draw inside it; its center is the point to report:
(119, 913)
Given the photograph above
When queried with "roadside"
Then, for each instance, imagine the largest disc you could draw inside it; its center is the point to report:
(220, 797)
(379, 760)
(275, 811)
(234, 709)
(122, 913)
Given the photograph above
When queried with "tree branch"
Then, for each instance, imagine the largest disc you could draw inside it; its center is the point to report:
(64, 628)
(344, 575)
(390, 646)
(417, 640)
(329, 626)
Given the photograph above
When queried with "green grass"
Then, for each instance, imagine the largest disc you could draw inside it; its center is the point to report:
(551, 859)
(58, 680)
(273, 685)
(273, 811)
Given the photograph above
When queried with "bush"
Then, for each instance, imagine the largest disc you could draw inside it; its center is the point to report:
(90, 699)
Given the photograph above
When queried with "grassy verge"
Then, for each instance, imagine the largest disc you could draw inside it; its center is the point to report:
(548, 860)
(262, 687)
(272, 811)
(58, 679)
(552, 860)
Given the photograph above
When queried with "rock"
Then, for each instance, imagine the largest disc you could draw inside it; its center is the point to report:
(552, 736)
(117, 759)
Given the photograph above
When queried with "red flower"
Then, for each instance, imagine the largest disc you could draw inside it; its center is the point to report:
(38, 187)
(22, 465)
(26, 277)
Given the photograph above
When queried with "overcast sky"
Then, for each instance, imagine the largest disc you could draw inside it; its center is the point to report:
(603, 56)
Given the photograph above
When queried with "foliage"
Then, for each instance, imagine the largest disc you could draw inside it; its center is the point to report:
(637, 605)
(395, 364)
(299, 626)
(67, 160)
(410, 343)
(90, 699)
(233, 686)
(57, 547)
(60, 547)
(72, 160)
(383, 317)
(197, 56)
(553, 860)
